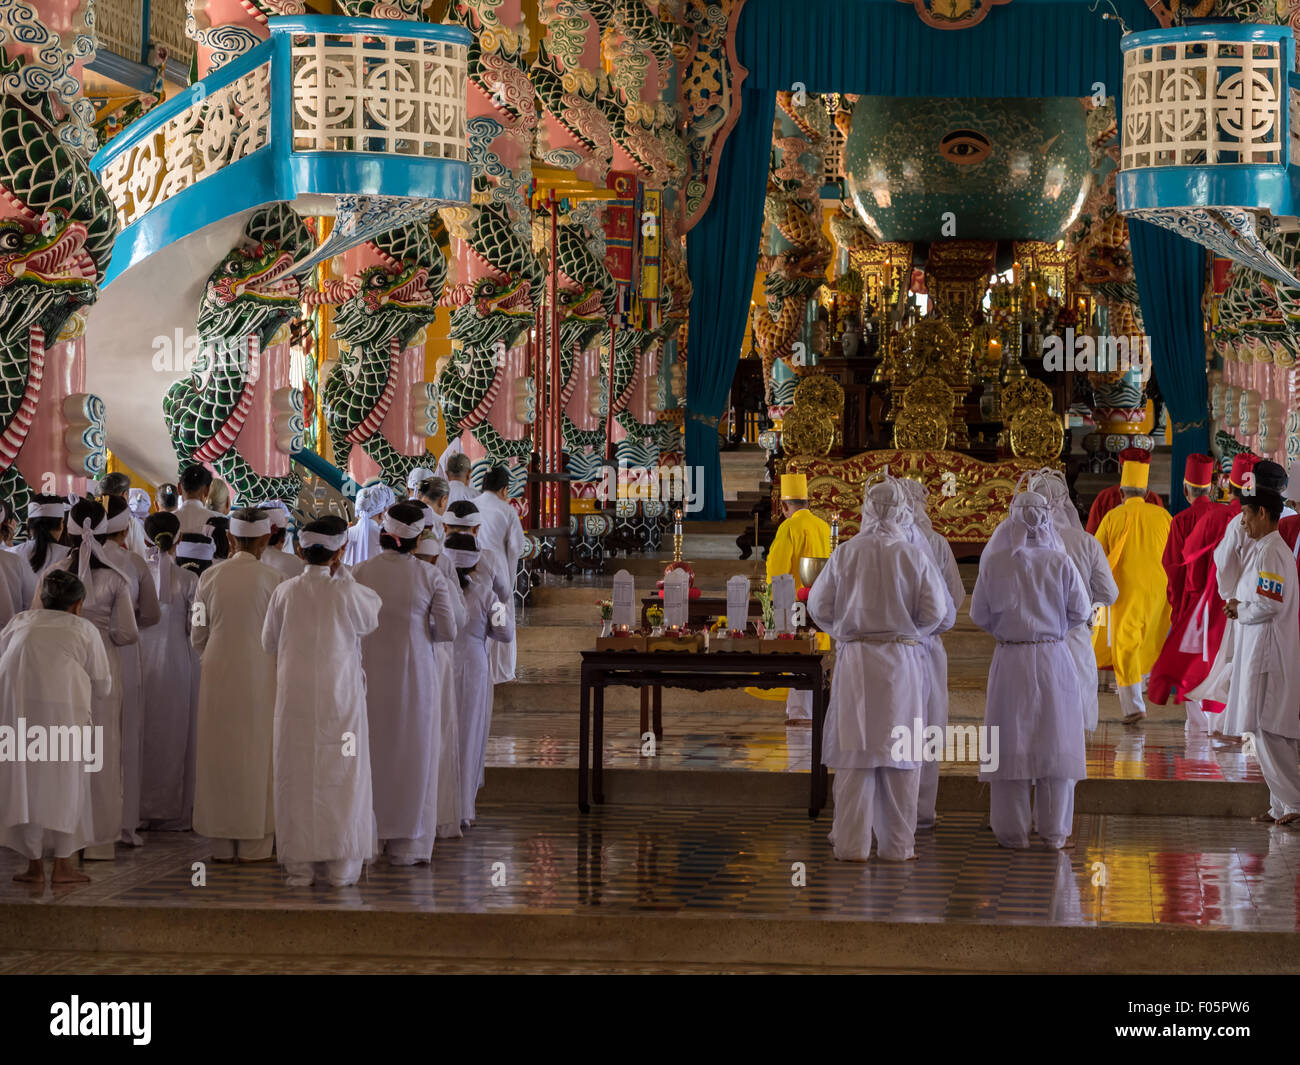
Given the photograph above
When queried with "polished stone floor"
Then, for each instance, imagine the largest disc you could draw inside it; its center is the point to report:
(690, 861)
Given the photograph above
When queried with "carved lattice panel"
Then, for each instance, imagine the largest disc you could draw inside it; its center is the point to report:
(1198, 103)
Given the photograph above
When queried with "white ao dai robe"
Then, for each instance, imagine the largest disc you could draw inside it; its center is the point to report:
(324, 806)
(171, 691)
(404, 704)
(144, 600)
(473, 679)
(879, 598)
(451, 796)
(1232, 558)
(53, 663)
(503, 534)
(54, 554)
(235, 729)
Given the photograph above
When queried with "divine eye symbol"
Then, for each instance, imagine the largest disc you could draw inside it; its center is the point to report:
(964, 146)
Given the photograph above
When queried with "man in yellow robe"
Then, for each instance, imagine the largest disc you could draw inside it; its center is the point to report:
(801, 535)
(1130, 633)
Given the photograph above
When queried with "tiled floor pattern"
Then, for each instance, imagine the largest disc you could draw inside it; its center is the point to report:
(1204, 872)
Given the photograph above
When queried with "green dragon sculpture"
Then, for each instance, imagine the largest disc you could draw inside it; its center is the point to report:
(393, 301)
(245, 303)
(57, 228)
(490, 315)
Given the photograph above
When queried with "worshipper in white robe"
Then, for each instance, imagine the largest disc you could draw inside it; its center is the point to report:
(12, 580)
(457, 472)
(1028, 596)
(501, 531)
(404, 702)
(373, 500)
(1235, 559)
(878, 597)
(450, 794)
(108, 606)
(435, 496)
(54, 663)
(233, 804)
(167, 498)
(1089, 558)
(43, 548)
(286, 563)
(416, 478)
(1264, 692)
(137, 500)
(193, 511)
(488, 616)
(144, 600)
(324, 805)
(171, 688)
(463, 517)
(936, 698)
(452, 449)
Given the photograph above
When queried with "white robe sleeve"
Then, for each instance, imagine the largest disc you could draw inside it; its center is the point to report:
(274, 621)
(95, 662)
(821, 599)
(121, 623)
(363, 609)
(1078, 607)
(1272, 570)
(1101, 582)
(515, 541)
(933, 603)
(981, 609)
(442, 622)
(199, 633)
(505, 632)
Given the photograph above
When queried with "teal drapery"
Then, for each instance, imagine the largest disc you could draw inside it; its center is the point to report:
(722, 254)
(1170, 273)
(871, 47)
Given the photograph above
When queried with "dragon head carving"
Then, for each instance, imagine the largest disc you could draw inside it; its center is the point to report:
(398, 296)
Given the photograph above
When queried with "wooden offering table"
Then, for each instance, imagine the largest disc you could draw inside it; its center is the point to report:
(699, 611)
(695, 672)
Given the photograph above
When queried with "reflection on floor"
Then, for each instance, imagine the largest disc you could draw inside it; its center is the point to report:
(708, 737)
(690, 861)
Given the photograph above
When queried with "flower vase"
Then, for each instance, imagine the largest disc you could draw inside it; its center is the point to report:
(656, 630)
(607, 626)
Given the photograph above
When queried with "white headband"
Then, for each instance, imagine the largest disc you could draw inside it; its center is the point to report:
(418, 476)
(119, 522)
(194, 549)
(276, 512)
(46, 510)
(317, 539)
(470, 521)
(250, 530)
(427, 547)
(460, 558)
(400, 529)
(91, 548)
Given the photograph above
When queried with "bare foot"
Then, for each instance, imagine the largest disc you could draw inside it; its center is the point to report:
(895, 861)
(33, 874)
(1288, 819)
(1133, 719)
(789, 721)
(66, 873)
(1265, 818)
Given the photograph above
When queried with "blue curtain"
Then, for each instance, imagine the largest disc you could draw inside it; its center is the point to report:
(722, 255)
(1170, 273)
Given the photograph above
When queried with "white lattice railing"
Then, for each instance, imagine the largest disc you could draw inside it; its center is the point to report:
(319, 85)
(1207, 101)
(401, 96)
(119, 27)
(210, 134)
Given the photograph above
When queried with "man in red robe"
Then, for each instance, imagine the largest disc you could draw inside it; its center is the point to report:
(1186, 583)
(1109, 498)
(1194, 637)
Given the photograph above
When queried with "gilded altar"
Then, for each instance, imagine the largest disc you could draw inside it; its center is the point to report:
(967, 498)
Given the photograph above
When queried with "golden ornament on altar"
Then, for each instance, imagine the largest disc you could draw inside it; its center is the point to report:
(1037, 434)
(1020, 395)
(807, 432)
(929, 391)
(818, 392)
(921, 428)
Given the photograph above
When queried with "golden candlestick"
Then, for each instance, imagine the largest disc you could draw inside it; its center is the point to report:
(677, 535)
